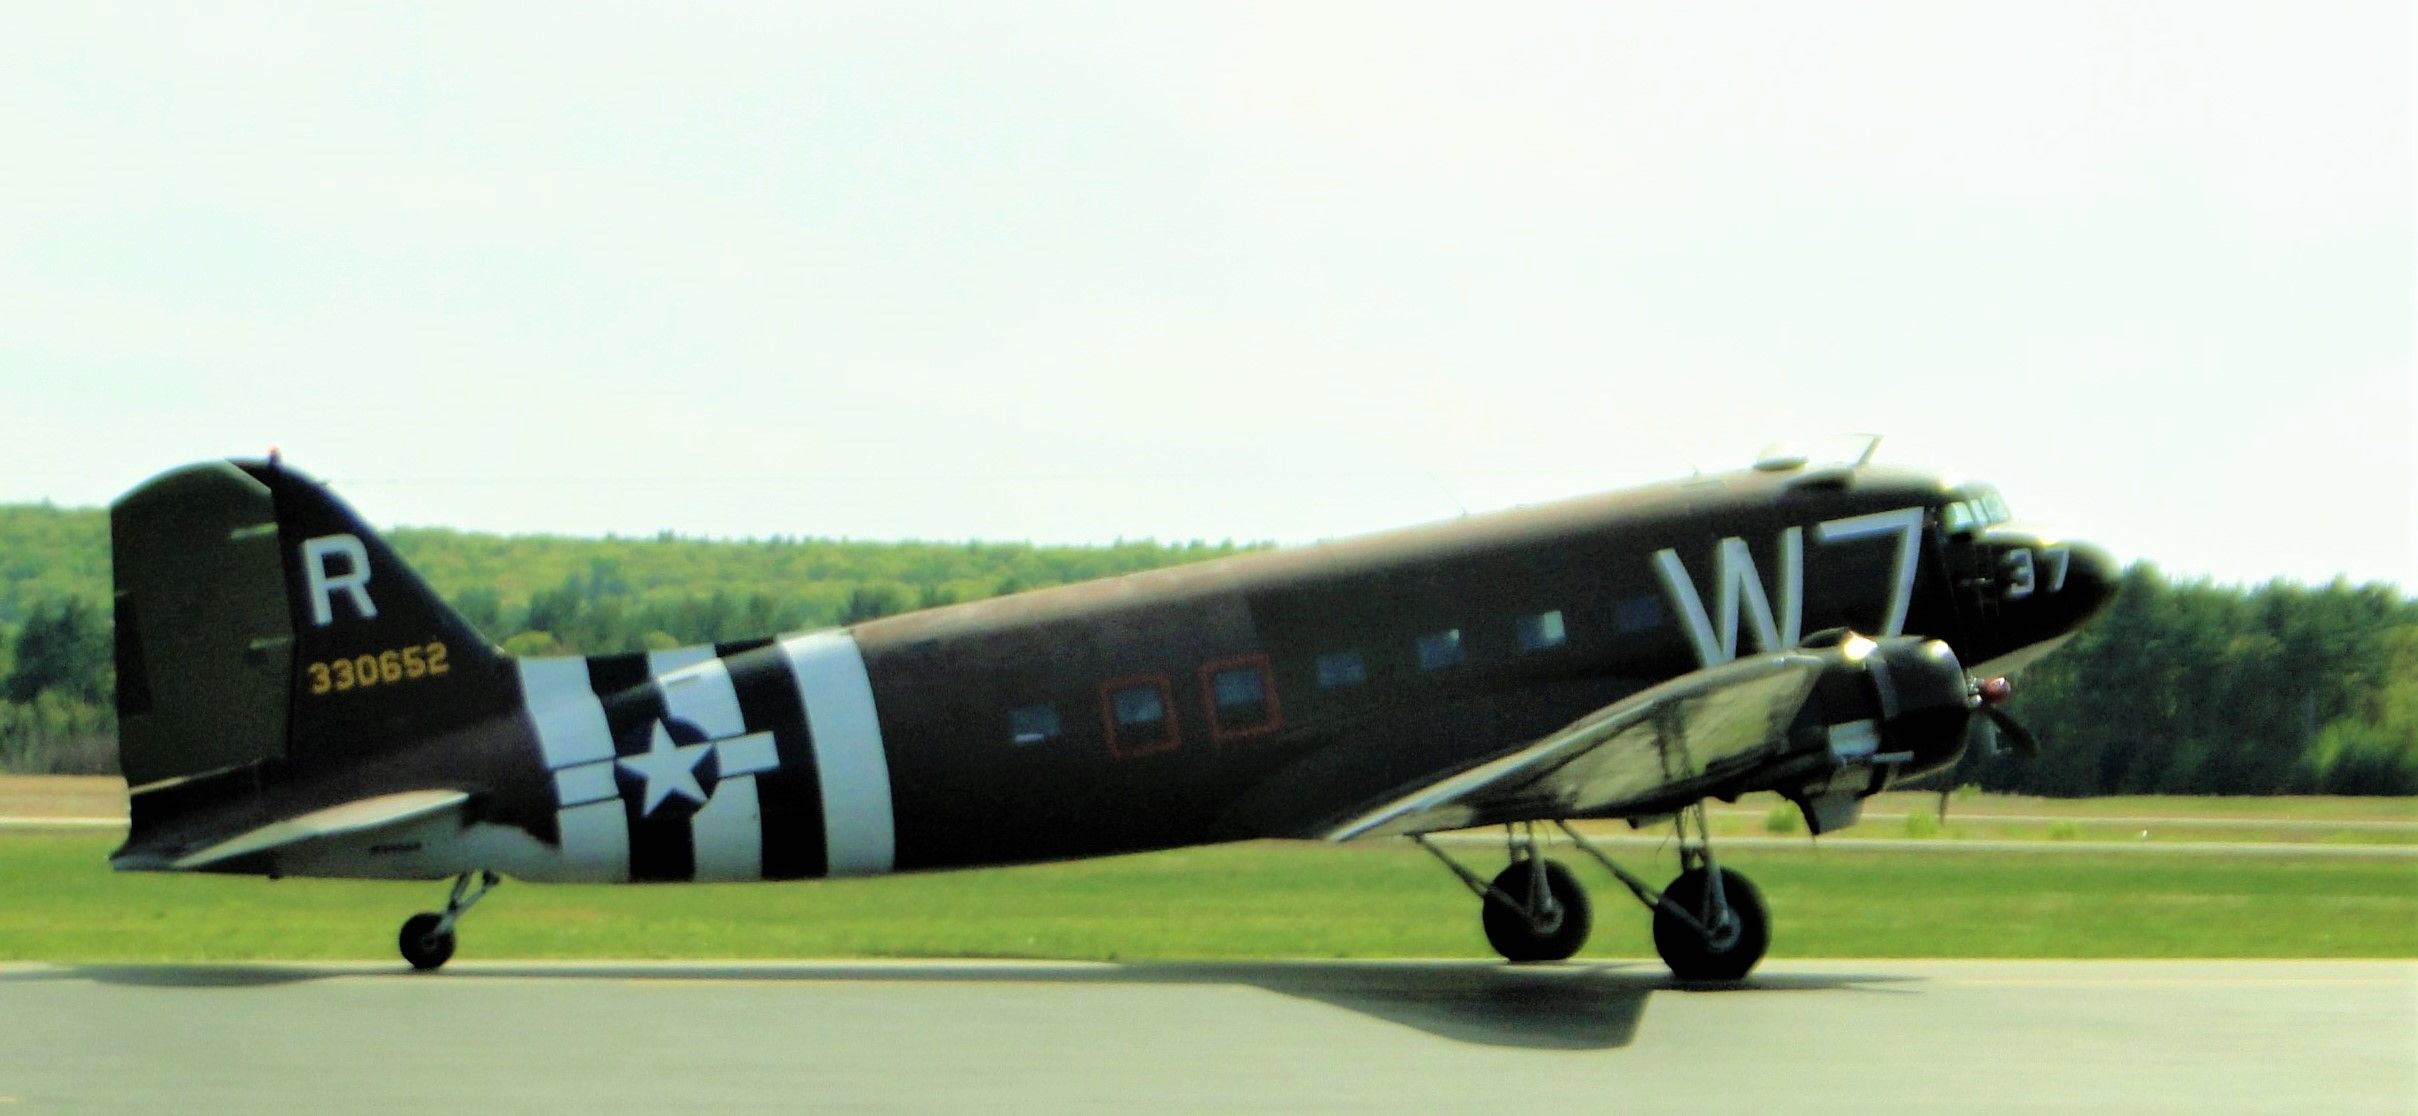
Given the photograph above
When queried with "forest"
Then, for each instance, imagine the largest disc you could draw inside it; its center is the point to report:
(2183, 687)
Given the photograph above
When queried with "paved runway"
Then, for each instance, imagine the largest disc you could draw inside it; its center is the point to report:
(1846, 1036)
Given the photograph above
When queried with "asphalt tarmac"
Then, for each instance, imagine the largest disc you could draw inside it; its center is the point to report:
(1802, 1036)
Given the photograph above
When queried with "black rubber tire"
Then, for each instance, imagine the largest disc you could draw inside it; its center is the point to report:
(422, 945)
(1512, 935)
(1687, 953)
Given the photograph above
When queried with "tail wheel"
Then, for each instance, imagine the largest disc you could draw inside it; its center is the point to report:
(427, 938)
(425, 946)
(1738, 937)
(1552, 935)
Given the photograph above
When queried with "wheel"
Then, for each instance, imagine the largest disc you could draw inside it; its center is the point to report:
(422, 945)
(1511, 933)
(1737, 946)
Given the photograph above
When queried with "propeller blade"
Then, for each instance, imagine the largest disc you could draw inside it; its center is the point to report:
(2013, 731)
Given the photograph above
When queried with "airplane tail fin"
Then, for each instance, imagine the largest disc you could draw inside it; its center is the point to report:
(263, 628)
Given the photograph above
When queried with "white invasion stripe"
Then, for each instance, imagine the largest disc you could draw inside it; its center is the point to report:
(596, 841)
(577, 743)
(660, 663)
(570, 721)
(589, 782)
(701, 694)
(751, 754)
(728, 832)
(859, 833)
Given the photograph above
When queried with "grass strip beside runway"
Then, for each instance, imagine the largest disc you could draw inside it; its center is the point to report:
(59, 902)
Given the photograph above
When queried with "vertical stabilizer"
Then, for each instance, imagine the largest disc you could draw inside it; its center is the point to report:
(261, 624)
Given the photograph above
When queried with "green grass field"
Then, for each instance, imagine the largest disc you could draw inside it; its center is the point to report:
(59, 902)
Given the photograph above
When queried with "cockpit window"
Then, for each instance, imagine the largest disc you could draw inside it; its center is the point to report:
(1980, 506)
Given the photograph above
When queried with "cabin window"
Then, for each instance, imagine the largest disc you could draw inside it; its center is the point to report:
(1964, 517)
(1034, 724)
(1242, 698)
(1438, 650)
(1138, 715)
(1341, 668)
(1235, 689)
(1139, 706)
(1543, 630)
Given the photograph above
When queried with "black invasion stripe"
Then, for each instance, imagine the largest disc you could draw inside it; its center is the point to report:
(791, 797)
(611, 675)
(662, 847)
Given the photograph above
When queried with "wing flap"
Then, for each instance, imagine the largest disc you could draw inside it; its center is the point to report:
(1730, 716)
(347, 818)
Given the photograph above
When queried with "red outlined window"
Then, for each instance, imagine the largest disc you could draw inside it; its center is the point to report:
(1139, 714)
(1241, 696)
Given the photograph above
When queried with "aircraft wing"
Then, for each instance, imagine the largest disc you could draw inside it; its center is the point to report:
(348, 818)
(1712, 722)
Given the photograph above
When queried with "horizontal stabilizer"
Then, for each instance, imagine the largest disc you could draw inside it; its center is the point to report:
(348, 818)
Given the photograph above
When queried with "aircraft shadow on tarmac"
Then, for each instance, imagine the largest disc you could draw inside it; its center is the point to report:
(1582, 1006)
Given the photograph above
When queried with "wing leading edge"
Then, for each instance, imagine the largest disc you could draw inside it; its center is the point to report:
(1807, 722)
(1624, 752)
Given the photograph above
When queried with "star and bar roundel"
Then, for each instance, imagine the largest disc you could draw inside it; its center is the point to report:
(762, 762)
(680, 767)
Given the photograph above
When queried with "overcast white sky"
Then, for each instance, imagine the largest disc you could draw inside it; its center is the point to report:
(1075, 271)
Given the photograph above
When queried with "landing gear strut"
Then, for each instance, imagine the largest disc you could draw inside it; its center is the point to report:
(1709, 924)
(1534, 909)
(427, 937)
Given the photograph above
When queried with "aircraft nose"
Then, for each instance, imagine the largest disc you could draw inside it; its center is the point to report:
(2090, 580)
(2050, 587)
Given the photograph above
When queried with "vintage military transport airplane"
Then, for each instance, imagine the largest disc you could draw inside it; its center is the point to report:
(295, 701)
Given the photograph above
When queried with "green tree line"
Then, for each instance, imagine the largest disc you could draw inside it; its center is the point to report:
(2195, 688)
(2181, 688)
(533, 594)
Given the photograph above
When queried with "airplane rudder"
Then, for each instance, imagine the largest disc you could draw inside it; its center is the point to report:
(204, 642)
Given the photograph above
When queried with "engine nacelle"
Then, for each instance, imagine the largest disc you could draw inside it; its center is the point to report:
(1891, 709)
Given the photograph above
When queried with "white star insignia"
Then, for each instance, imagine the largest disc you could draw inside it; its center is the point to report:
(668, 769)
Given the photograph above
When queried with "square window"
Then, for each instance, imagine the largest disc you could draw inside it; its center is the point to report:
(1238, 687)
(1341, 668)
(1137, 706)
(1542, 630)
(1033, 724)
(1138, 714)
(1440, 649)
(1241, 697)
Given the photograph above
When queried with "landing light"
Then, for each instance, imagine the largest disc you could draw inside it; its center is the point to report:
(1995, 691)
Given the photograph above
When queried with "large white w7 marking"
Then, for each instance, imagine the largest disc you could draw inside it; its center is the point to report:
(1738, 586)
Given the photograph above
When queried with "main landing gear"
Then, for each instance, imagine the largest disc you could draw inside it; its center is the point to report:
(427, 937)
(1709, 924)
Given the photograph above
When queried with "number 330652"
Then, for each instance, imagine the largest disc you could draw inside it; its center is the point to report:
(380, 668)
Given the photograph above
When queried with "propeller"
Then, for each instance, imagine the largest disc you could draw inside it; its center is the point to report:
(1989, 699)
(2025, 743)
(1992, 695)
